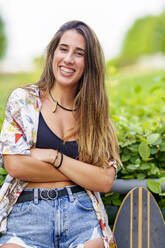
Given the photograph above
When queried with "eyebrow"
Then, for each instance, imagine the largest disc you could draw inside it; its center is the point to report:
(78, 48)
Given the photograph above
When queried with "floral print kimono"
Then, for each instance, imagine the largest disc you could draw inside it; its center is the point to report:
(18, 135)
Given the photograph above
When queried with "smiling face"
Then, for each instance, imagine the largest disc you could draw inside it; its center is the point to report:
(68, 60)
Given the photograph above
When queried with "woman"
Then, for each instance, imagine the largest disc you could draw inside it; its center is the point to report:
(59, 149)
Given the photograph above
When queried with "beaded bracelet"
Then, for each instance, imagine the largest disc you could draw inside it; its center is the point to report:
(58, 166)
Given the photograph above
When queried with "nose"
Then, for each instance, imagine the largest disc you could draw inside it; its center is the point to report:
(69, 58)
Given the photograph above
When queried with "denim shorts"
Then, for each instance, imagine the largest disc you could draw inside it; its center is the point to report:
(66, 222)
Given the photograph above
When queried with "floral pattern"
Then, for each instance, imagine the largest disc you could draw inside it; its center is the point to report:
(18, 135)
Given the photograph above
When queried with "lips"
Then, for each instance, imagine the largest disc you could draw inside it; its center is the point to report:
(66, 70)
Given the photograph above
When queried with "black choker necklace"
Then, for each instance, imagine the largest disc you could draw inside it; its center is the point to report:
(57, 104)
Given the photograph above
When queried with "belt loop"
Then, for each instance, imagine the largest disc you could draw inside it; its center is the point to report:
(35, 196)
(70, 194)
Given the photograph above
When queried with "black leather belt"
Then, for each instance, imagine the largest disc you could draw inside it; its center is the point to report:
(47, 194)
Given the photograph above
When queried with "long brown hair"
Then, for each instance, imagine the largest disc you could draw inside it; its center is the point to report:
(97, 140)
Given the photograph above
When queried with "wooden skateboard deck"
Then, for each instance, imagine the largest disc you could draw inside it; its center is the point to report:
(139, 222)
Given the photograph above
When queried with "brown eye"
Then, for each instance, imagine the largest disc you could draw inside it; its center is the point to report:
(63, 49)
(80, 54)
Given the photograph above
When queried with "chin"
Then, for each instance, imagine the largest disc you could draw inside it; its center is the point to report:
(68, 84)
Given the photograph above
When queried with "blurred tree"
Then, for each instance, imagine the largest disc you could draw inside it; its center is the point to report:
(3, 39)
(146, 36)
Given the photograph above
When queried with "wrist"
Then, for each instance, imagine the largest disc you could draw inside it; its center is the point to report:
(58, 159)
(53, 155)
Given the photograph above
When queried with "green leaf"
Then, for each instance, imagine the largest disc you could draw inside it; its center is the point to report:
(162, 180)
(162, 156)
(144, 167)
(142, 139)
(128, 177)
(108, 194)
(116, 202)
(155, 172)
(162, 173)
(133, 148)
(140, 176)
(132, 167)
(162, 194)
(151, 139)
(125, 157)
(106, 201)
(115, 196)
(162, 147)
(154, 186)
(2, 179)
(2, 171)
(158, 141)
(135, 159)
(153, 150)
(124, 172)
(147, 159)
(144, 150)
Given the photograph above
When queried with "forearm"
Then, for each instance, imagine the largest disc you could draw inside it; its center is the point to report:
(35, 170)
(31, 169)
(88, 176)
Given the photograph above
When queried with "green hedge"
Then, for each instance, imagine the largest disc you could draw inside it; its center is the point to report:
(137, 108)
(138, 113)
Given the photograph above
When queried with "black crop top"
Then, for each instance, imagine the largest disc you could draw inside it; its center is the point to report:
(47, 139)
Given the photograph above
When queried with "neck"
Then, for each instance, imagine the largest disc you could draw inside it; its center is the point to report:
(63, 95)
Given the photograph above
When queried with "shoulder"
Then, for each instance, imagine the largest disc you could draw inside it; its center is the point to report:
(23, 100)
(22, 94)
(23, 104)
(32, 89)
(18, 92)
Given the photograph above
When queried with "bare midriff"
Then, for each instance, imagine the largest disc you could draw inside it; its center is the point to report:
(49, 185)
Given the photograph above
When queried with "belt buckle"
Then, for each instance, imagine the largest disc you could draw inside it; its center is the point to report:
(45, 194)
(42, 194)
(56, 194)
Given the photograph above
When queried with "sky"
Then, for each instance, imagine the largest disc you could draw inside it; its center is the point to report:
(30, 24)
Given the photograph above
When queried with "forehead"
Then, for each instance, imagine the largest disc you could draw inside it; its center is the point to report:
(73, 38)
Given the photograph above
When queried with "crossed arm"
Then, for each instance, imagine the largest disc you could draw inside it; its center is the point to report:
(38, 168)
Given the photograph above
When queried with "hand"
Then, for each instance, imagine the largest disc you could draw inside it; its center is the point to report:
(45, 155)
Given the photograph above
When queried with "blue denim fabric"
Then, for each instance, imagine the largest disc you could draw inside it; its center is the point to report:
(64, 222)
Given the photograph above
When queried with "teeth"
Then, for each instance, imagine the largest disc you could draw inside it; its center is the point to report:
(66, 69)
